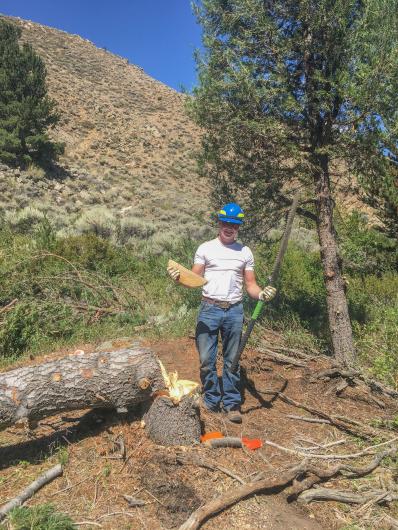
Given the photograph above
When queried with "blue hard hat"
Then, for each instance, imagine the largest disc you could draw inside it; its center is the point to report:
(231, 213)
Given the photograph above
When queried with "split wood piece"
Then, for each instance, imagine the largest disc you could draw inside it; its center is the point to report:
(345, 424)
(168, 423)
(356, 377)
(275, 484)
(133, 501)
(187, 277)
(27, 493)
(197, 461)
(281, 358)
(114, 380)
(348, 497)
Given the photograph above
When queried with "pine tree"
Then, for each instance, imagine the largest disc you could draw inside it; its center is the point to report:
(293, 93)
(26, 112)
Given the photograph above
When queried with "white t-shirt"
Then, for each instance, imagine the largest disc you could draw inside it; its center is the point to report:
(224, 266)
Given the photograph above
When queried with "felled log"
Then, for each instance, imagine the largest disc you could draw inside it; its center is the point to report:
(170, 423)
(114, 380)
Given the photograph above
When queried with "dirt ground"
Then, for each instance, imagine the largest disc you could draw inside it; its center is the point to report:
(95, 478)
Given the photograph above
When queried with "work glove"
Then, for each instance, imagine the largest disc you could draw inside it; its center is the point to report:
(173, 273)
(267, 294)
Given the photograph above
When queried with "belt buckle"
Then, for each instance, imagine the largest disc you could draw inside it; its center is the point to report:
(224, 304)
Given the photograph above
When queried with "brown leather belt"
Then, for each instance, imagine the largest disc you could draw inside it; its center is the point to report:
(220, 303)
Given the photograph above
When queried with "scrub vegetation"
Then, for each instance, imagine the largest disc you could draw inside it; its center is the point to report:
(87, 287)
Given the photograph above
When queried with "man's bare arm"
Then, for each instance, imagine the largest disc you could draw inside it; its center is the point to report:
(255, 291)
(252, 288)
(198, 269)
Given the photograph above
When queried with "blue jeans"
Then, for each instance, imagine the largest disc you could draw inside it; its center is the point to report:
(213, 320)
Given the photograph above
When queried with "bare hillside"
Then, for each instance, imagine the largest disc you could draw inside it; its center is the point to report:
(129, 144)
(129, 168)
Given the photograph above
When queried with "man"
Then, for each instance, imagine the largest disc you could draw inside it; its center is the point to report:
(227, 265)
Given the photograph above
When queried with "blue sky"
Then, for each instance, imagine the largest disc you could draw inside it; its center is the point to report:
(158, 35)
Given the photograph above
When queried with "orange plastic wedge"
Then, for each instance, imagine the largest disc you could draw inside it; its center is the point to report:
(211, 436)
(252, 444)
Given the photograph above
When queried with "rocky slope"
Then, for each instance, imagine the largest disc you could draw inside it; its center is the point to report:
(129, 143)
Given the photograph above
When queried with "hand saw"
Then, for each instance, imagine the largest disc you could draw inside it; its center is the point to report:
(272, 280)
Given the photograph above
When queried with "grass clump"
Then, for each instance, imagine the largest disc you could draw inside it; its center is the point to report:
(40, 517)
(24, 221)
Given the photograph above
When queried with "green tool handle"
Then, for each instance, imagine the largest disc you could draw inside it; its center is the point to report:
(272, 280)
(245, 337)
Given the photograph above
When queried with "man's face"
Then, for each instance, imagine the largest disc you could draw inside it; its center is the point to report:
(228, 232)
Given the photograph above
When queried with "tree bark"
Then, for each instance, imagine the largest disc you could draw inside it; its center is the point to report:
(171, 424)
(119, 380)
(337, 307)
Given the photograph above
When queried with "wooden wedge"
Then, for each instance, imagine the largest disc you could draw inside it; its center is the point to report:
(187, 277)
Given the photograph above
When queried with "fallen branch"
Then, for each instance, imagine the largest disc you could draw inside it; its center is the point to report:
(196, 460)
(327, 494)
(390, 520)
(281, 358)
(316, 475)
(309, 420)
(297, 452)
(27, 493)
(199, 516)
(345, 424)
(317, 447)
(7, 307)
(298, 353)
(271, 485)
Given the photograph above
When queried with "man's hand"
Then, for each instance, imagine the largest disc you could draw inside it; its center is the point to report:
(267, 294)
(173, 273)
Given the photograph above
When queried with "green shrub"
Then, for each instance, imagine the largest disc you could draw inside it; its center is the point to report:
(98, 220)
(134, 227)
(377, 342)
(86, 251)
(40, 517)
(29, 321)
(301, 292)
(364, 249)
(24, 221)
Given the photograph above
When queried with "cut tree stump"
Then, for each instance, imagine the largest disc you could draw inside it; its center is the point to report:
(174, 424)
(115, 380)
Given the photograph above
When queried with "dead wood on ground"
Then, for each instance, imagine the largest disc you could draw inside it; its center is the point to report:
(347, 497)
(201, 462)
(302, 476)
(114, 380)
(345, 424)
(27, 493)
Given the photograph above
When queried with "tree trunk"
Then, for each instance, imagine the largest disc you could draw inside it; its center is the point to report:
(118, 380)
(339, 319)
(171, 424)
